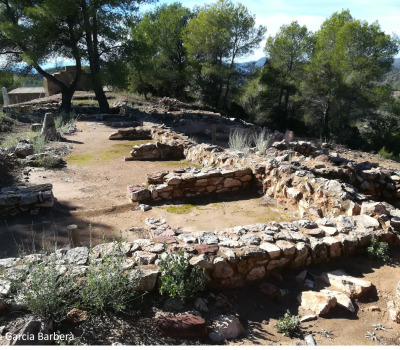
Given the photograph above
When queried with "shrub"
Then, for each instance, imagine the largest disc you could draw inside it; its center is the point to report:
(107, 286)
(378, 250)
(385, 154)
(48, 161)
(39, 144)
(179, 279)
(288, 324)
(44, 288)
(239, 141)
(261, 141)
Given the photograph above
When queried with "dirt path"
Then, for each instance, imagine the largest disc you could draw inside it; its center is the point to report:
(91, 189)
(347, 328)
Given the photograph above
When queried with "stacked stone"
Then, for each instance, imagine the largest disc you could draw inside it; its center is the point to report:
(133, 133)
(303, 147)
(159, 150)
(21, 199)
(190, 182)
(230, 257)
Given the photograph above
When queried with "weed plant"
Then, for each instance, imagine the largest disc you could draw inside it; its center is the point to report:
(288, 324)
(378, 250)
(107, 286)
(239, 141)
(44, 288)
(39, 144)
(179, 279)
(385, 154)
(262, 140)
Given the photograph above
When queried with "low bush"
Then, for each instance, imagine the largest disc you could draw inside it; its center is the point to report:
(48, 161)
(39, 144)
(179, 279)
(385, 154)
(107, 286)
(288, 324)
(44, 288)
(378, 250)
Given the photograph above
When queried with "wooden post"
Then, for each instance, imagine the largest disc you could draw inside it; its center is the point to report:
(214, 134)
(74, 237)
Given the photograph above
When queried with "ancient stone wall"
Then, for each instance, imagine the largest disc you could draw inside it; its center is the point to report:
(190, 182)
(14, 200)
(133, 133)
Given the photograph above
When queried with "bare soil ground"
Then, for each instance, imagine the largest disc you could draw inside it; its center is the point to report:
(91, 189)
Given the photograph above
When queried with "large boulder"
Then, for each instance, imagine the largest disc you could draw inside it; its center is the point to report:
(23, 149)
(340, 280)
(317, 302)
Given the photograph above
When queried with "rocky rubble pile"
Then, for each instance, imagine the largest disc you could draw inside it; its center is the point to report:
(132, 133)
(14, 200)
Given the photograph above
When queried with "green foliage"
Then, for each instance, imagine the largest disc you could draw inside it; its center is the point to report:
(385, 154)
(107, 286)
(48, 161)
(179, 279)
(44, 288)
(288, 324)
(378, 250)
(39, 144)
(158, 58)
(221, 33)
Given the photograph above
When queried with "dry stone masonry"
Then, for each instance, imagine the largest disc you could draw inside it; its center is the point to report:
(14, 200)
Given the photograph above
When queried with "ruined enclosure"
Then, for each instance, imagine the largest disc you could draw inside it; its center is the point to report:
(245, 217)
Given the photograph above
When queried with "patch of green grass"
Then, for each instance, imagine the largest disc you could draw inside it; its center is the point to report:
(181, 209)
(117, 150)
(385, 154)
(12, 139)
(79, 159)
(90, 102)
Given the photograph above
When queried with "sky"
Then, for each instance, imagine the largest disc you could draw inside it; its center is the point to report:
(274, 13)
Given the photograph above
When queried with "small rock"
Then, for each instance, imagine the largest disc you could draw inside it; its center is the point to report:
(76, 316)
(226, 327)
(144, 207)
(301, 276)
(308, 318)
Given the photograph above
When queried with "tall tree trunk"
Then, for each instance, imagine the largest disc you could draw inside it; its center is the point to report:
(286, 112)
(94, 59)
(66, 91)
(325, 127)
